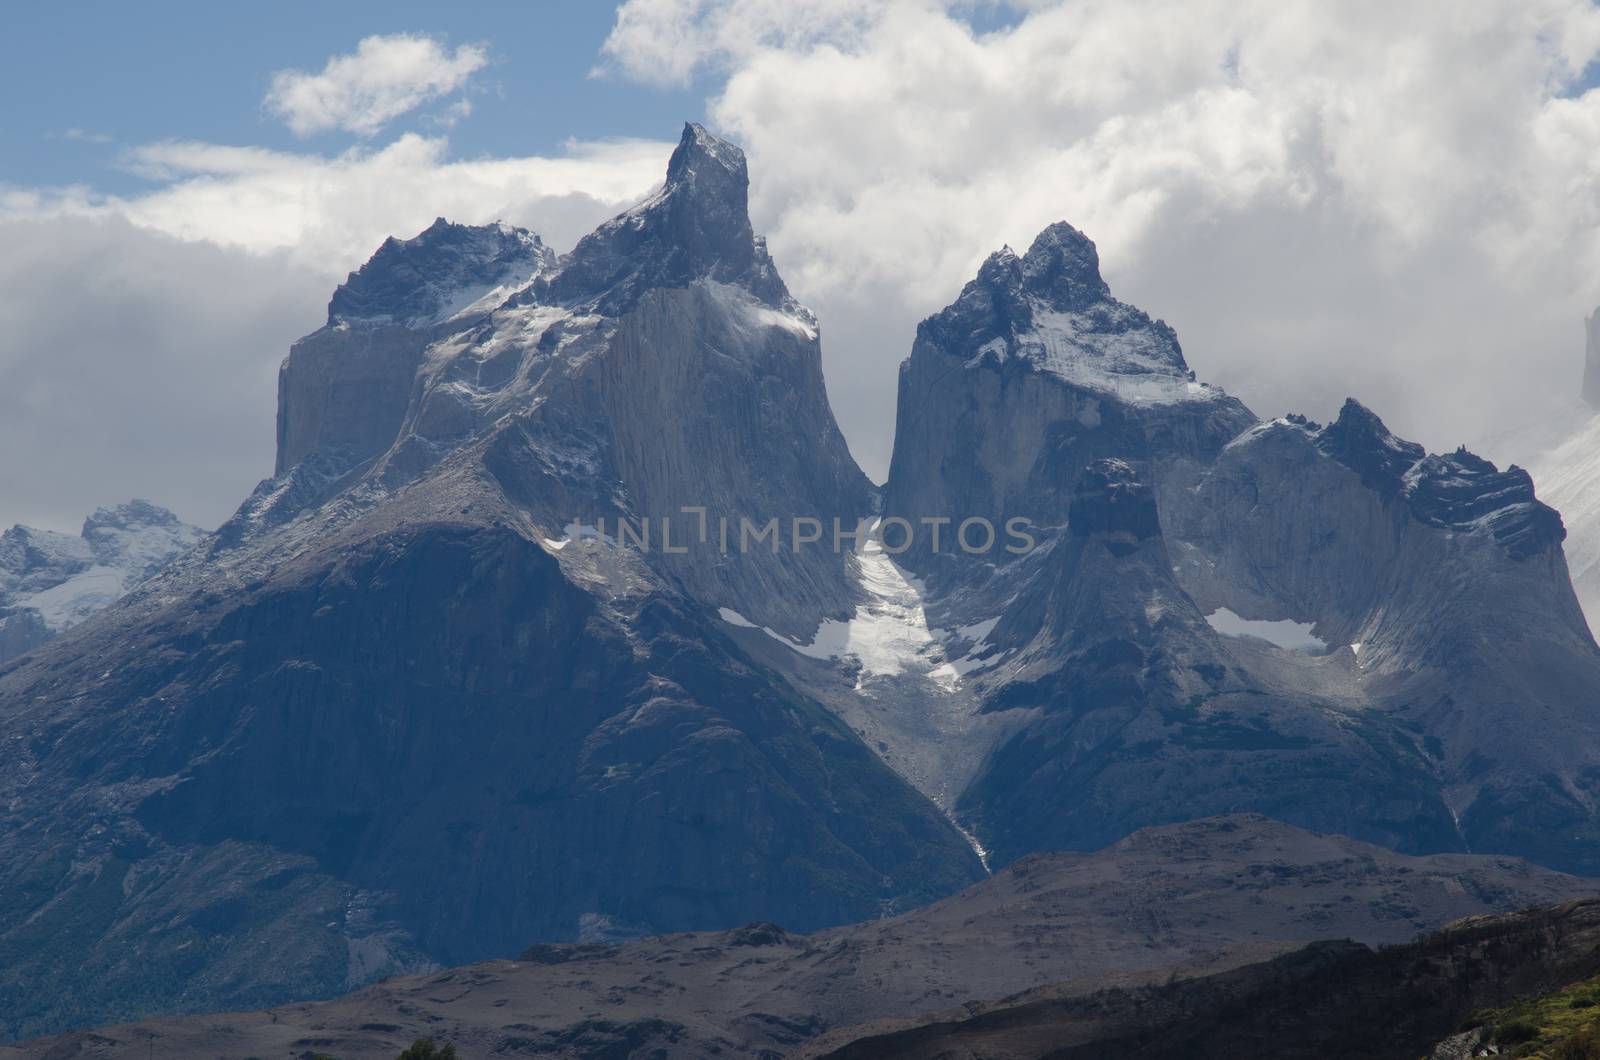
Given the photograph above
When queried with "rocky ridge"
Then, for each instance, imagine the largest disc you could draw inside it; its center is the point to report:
(1182, 900)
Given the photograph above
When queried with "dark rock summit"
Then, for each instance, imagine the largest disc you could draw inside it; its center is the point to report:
(697, 226)
(423, 280)
(1111, 502)
(1359, 440)
(1461, 491)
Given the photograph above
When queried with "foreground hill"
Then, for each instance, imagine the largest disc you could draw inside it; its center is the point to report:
(1189, 899)
(1484, 986)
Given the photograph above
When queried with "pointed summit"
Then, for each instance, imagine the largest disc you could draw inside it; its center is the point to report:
(697, 226)
(1360, 441)
(1063, 268)
(702, 159)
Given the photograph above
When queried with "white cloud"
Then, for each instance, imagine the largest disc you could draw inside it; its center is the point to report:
(133, 364)
(362, 92)
(1323, 198)
(329, 214)
(140, 336)
(663, 42)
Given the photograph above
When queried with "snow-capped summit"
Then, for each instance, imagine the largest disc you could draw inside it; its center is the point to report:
(1050, 309)
(438, 274)
(1032, 373)
(50, 581)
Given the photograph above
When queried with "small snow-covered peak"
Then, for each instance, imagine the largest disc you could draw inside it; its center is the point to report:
(438, 273)
(138, 537)
(135, 514)
(25, 550)
(50, 581)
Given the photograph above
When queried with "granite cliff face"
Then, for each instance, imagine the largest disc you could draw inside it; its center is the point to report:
(343, 389)
(1443, 581)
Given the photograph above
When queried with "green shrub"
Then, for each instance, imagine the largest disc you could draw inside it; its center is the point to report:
(424, 1049)
(1585, 1045)
(1514, 1033)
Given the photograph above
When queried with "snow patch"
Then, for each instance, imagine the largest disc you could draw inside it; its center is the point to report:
(1110, 349)
(1283, 633)
(887, 636)
(64, 606)
(748, 314)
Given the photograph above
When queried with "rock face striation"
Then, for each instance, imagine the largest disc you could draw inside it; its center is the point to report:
(494, 659)
(50, 581)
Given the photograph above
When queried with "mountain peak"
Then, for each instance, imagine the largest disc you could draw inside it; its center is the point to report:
(436, 273)
(702, 156)
(697, 226)
(1051, 310)
(1461, 491)
(1359, 440)
(1063, 268)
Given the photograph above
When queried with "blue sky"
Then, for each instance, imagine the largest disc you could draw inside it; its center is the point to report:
(84, 79)
(199, 71)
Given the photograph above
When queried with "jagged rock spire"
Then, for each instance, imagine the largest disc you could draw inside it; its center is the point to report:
(1050, 306)
(696, 227)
